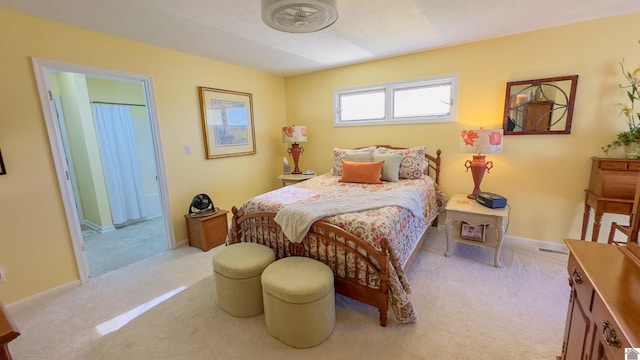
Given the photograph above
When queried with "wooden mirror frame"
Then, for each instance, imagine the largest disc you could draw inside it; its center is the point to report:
(553, 111)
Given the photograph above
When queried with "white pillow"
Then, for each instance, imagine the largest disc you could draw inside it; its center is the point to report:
(339, 154)
(391, 166)
(361, 156)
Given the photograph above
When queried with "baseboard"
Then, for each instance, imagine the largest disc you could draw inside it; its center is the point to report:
(539, 244)
(28, 301)
(182, 243)
(96, 227)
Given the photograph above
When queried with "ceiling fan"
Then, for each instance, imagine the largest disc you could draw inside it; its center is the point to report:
(299, 16)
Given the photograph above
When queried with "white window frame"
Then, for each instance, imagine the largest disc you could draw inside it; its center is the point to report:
(389, 88)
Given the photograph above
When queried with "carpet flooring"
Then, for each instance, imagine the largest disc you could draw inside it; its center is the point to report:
(164, 308)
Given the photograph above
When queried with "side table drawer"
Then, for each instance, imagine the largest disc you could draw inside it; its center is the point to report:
(617, 208)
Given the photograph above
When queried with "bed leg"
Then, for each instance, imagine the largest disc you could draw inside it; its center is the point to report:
(383, 319)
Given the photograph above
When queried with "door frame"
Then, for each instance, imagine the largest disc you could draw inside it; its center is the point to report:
(41, 66)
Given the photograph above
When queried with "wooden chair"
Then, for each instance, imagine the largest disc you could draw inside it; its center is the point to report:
(631, 230)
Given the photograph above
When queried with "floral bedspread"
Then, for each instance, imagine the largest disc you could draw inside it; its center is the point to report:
(396, 224)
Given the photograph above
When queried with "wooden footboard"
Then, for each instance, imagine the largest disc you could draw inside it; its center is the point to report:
(360, 270)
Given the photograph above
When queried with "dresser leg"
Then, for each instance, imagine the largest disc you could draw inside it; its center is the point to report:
(596, 227)
(585, 221)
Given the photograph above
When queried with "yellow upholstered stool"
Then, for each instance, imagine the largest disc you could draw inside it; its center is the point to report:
(299, 301)
(237, 270)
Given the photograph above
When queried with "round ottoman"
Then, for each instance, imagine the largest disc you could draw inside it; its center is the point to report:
(299, 301)
(237, 270)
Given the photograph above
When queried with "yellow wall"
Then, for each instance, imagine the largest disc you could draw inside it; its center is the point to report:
(35, 245)
(543, 176)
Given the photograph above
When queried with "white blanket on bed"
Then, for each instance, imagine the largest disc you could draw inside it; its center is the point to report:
(296, 219)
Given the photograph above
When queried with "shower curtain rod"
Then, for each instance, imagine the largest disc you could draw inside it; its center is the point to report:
(114, 103)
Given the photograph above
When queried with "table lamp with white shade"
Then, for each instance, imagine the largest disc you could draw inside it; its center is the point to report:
(294, 135)
(480, 142)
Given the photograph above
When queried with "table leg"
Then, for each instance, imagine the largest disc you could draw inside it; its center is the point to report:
(500, 237)
(585, 221)
(596, 226)
(448, 227)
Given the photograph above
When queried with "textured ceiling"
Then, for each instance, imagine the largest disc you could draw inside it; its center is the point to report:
(232, 30)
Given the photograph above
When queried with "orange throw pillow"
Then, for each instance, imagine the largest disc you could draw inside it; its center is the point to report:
(361, 172)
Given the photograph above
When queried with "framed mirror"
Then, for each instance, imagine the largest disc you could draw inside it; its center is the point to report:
(539, 106)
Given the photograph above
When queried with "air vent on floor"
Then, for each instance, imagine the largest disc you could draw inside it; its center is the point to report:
(554, 251)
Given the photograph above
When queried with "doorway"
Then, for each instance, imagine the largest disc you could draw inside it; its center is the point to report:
(104, 135)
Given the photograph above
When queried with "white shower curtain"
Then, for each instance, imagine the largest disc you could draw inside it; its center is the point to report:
(120, 164)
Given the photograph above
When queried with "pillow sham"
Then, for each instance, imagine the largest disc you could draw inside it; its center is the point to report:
(391, 166)
(361, 172)
(339, 154)
(413, 163)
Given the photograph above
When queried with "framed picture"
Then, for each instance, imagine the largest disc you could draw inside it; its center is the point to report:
(2, 168)
(472, 232)
(227, 122)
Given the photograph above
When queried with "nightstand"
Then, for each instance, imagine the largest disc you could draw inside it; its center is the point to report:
(207, 231)
(477, 220)
(294, 178)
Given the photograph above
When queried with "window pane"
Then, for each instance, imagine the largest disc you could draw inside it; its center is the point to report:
(362, 106)
(434, 100)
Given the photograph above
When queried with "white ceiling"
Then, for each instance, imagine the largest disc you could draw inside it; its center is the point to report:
(232, 30)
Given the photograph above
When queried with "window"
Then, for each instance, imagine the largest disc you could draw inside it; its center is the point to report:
(417, 101)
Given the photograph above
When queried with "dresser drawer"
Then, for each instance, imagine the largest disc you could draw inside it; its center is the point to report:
(609, 341)
(581, 283)
(613, 165)
(634, 166)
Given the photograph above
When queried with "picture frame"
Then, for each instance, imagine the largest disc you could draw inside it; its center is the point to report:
(472, 232)
(3, 170)
(227, 122)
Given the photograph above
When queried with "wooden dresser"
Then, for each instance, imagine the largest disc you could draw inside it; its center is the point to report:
(612, 186)
(8, 332)
(603, 317)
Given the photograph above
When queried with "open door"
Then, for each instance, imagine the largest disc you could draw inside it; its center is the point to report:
(95, 211)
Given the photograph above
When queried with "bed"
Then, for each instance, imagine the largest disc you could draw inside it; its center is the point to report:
(369, 249)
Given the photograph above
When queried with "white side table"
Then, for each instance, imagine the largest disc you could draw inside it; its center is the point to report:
(293, 178)
(460, 208)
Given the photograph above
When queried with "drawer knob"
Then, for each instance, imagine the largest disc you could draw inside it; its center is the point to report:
(609, 335)
(577, 278)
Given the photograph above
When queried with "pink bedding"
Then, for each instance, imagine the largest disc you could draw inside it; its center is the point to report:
(397, 225)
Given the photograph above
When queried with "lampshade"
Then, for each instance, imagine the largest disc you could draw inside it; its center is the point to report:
(294, 134)
(481, 141)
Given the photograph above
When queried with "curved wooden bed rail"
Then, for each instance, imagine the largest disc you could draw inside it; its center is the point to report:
(361, 272)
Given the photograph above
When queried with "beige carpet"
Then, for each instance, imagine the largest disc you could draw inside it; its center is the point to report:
(468, 310)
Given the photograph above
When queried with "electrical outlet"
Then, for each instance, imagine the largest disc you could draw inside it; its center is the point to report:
(3, 277)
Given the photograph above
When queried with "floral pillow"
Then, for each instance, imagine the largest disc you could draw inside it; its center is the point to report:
(339, 155)
(413, 162)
